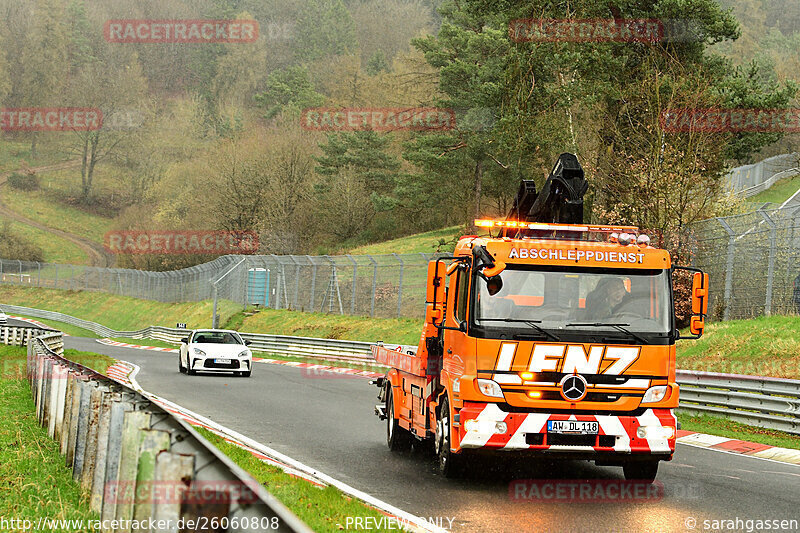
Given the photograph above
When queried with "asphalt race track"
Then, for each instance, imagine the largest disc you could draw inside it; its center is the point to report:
(328, 423)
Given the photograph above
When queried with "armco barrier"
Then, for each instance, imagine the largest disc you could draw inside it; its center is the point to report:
(342, 350)
(137, 460)
(766, 402)
(20, 336)
(770, 403)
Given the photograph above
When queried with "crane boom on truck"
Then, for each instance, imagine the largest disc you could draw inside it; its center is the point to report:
(553, 338)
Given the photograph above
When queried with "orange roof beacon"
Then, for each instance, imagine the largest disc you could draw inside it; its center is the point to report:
(552, 338)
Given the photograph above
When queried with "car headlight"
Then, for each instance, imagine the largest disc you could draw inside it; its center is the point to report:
(490, 388)
(655, 394)
(198, 351)
(245, 353)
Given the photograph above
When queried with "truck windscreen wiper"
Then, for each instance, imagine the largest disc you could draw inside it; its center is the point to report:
(618, 327)
(532, 323)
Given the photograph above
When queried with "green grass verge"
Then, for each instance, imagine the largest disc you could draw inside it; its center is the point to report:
(117, 312)
(34, 482)
(765, 346)
(427, 242)
(356, 328)
(95, 361)
(322, 509)
(69, 329)
(722, 427)
(55, 249)
(779, 192)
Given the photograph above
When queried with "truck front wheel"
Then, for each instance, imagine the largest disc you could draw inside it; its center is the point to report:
(640, 471)
(449, 463)
(398, 438)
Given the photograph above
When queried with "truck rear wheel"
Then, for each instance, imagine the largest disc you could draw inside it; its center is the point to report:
(397, 437)
(450, 464)
(640, 471)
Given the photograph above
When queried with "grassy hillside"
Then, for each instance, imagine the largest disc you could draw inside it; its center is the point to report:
(767, 346)
(55, 249)
(390, 330)
(16, 154)
(40, 206)
(122, 313)
(117, 312)
(422, 242)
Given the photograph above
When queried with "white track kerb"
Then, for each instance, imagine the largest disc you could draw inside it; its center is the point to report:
(411, 522)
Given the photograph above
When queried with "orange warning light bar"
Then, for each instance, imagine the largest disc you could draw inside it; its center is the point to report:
(489, 223)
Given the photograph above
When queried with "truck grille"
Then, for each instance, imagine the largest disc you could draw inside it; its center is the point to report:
(556, 439)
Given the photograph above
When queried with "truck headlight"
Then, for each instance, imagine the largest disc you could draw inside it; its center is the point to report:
(198, 351)
(490, 388)
(655, 394)
(655, 432)
(486, 426)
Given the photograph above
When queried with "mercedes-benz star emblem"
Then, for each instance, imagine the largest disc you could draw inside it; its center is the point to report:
(573, 388)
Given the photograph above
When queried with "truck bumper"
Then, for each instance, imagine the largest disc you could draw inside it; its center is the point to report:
(652, 432)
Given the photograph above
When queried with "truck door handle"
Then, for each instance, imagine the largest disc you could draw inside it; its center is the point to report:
(449, 351)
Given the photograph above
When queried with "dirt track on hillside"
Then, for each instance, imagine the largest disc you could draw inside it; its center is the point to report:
(98, 256)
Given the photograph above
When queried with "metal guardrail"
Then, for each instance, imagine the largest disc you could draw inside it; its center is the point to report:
(770, 403)
(136, 459)
(20, 336)
(344, 350)
(765, 402)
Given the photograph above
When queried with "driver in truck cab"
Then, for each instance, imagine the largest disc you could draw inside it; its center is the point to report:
(607, 297)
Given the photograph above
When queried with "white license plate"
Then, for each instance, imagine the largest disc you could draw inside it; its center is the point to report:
(572, 426)
(223, 361)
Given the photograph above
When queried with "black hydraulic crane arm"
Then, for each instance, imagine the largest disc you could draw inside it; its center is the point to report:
(559, 202)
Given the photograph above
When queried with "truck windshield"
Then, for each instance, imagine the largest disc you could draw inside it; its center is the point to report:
(622, 302)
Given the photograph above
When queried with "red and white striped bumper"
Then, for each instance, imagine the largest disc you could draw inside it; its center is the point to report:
(653, 432)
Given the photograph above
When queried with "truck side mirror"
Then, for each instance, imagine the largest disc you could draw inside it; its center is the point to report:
(696, 325)
(494, 285)
(699, 303)
(494, 271)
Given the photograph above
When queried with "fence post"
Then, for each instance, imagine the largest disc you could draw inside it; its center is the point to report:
(728, 268)
(399, 284)
(313, 281)
(374, 284)
(296, 281)
(355, 277)
(773, 238)
(38, 274)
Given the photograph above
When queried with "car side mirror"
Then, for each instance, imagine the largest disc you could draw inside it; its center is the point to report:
(247, 343)
(185, 340)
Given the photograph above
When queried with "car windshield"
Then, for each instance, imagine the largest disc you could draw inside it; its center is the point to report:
(571, 299)
(216, 337)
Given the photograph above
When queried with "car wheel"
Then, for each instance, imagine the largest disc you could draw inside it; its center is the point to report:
(180, 365)
(191, 371)
(640, 471)
(397, 437)
(449, 463)
(246, 373)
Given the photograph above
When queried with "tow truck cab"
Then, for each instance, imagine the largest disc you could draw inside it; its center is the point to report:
(560, 343)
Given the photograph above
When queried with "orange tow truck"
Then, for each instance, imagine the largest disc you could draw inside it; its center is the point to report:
(552, 337)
